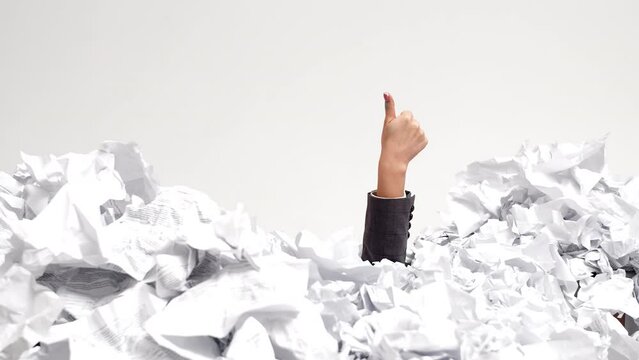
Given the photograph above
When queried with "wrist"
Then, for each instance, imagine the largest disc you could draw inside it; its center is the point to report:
(390, 166)
(391, 177)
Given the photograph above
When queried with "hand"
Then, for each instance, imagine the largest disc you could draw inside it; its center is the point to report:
(402, 140)
(402, 136)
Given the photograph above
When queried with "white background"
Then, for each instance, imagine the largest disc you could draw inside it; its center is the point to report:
(278, 104)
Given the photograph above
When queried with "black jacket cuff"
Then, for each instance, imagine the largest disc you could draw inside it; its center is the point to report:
(386, 228)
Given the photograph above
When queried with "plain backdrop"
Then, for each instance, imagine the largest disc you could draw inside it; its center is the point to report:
(278, 104)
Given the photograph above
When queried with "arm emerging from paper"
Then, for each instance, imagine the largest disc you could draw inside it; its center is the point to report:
(389, 208)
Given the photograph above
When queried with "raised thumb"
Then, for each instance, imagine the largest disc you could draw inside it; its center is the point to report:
(389, 106)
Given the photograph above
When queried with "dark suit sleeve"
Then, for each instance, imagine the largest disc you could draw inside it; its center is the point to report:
(386, 227)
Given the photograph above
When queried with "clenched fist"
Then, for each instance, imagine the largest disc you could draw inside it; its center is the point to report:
(402, 140)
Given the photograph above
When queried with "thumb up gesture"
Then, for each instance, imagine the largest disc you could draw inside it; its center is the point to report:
(402, 136)
(402, 140)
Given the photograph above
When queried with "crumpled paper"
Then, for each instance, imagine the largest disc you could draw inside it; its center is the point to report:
(536, 258)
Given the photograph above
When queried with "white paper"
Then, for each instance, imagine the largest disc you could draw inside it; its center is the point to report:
(536, 256)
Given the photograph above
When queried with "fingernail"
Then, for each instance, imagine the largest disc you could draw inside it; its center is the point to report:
(386, 95)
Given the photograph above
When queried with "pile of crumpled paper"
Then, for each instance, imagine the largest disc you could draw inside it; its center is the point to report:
(536, 260)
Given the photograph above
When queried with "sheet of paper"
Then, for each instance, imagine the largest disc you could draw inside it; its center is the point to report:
(213, 307)
(536, 257)
(114, 330)
(27, 310)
